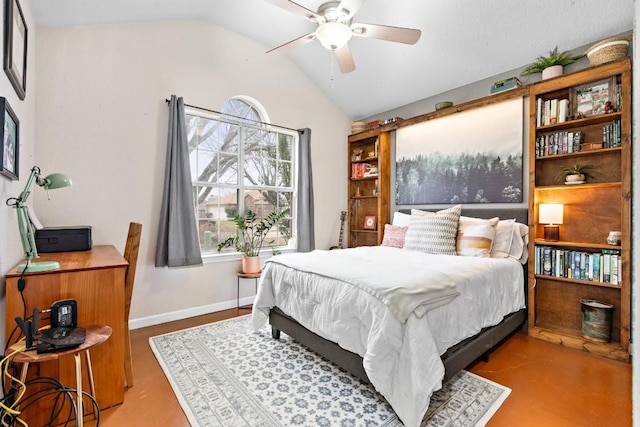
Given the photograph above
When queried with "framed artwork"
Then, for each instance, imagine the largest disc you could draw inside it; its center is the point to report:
(15, 46)
(474, 156)
(595, 98)
(9, 155)
(370, 222)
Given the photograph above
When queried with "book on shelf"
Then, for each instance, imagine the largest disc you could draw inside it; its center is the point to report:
(611, 134)
(363, 170)
(604, 266)
(563, 142)
(551, 111)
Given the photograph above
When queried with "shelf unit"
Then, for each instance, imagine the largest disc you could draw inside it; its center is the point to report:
(591, 210)
(368, 192)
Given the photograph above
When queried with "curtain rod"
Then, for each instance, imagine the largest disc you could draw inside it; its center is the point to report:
(237, 117)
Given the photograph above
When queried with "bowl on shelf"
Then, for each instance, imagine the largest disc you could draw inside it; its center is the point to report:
(614, 238)
(444, 104)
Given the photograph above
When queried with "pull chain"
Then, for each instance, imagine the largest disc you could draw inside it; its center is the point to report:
(332, 70)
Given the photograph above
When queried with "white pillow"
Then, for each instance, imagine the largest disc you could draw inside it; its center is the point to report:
(435, 232)
(475, 236)
(511, 240)
(502, 240)
(400, 219)
(519, 244)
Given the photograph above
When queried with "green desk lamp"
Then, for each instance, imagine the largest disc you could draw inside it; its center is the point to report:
(27, 233)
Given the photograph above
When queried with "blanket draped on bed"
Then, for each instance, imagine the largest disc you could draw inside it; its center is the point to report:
(416, 288)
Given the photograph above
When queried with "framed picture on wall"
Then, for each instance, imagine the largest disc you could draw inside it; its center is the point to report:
(15, 46)
(10, 137)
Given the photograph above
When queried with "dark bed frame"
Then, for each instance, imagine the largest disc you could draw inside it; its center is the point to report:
(455, 359)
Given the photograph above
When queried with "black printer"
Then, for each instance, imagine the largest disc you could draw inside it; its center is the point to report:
(63, 239)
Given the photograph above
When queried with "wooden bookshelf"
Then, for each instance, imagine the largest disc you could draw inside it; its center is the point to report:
(591, 210)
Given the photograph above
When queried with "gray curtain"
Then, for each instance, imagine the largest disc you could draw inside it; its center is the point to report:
(178, 243)
(306, 233)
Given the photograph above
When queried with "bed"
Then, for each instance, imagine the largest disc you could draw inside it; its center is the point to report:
(390, 353)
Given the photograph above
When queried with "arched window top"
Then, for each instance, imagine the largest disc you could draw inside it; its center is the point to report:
(245, 109)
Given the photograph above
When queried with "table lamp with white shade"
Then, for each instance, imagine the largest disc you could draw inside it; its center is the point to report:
(552, 215)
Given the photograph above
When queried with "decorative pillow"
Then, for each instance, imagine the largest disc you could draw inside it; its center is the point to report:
(394, 236)
(434, 234)
(511, 240)
(475, 236)
(400, 219)
(520, 242)
(503, 238)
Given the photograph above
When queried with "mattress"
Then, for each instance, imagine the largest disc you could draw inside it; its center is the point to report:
(402, 359)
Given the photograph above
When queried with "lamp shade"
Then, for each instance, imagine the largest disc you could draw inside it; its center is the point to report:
(333, 35)
(56, 180)
(550, 213)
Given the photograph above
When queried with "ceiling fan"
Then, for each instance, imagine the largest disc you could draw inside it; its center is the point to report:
(335, 29)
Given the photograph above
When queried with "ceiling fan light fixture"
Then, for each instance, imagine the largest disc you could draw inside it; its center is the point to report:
(333, 35)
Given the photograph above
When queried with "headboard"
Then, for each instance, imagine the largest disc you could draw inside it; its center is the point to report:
(520, 214)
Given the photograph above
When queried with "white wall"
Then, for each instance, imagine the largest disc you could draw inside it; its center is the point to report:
(10, 247)
(102, 119)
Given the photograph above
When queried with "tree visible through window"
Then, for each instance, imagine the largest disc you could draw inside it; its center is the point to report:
(239, 164)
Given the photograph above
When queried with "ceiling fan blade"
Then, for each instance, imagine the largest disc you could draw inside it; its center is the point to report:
(386, 32)
(350, 7)
(294, 43)
(345, 60)
(297, 9)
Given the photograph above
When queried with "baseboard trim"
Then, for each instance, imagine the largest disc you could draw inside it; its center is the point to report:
(143, 322)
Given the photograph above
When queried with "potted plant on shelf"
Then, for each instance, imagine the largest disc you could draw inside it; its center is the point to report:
(552, 65)
(576, 174)
(249, 240)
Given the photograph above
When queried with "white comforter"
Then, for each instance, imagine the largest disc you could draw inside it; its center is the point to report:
(401, 359)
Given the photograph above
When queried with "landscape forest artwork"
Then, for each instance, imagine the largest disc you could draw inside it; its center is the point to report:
(474, 156)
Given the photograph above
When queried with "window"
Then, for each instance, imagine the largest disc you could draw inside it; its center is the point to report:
(240, 164)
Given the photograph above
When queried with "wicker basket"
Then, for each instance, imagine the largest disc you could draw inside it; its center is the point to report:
(608, 50)
(357, 127)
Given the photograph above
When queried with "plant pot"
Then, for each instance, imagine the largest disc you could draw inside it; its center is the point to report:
(250, 264)
(551, 72)
(574, 179)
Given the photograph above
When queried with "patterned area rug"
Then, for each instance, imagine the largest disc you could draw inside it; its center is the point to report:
(224, 374)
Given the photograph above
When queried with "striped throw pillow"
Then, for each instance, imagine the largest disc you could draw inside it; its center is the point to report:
(475, 236)
(434, 234)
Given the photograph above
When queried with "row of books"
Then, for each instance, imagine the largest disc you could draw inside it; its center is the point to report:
(363, 170)
(551, 111)
(558, 143)
(604, 266)
(612, 134)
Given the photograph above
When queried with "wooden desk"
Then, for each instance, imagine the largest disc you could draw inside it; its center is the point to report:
(95, 279)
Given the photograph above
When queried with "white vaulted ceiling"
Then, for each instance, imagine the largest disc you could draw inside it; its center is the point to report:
(462, 41)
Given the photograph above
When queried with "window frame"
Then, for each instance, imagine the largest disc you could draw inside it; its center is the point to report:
(241, 187)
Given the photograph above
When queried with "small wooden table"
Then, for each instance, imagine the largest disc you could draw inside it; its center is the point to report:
(95, 335)
(241, 275)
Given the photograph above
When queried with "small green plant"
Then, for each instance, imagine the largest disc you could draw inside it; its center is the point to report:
(554, 58)
(253, 231)
(576, 169)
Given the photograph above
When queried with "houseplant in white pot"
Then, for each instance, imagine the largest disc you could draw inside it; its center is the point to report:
(251, 234)
(551, 65)
(576, 174)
